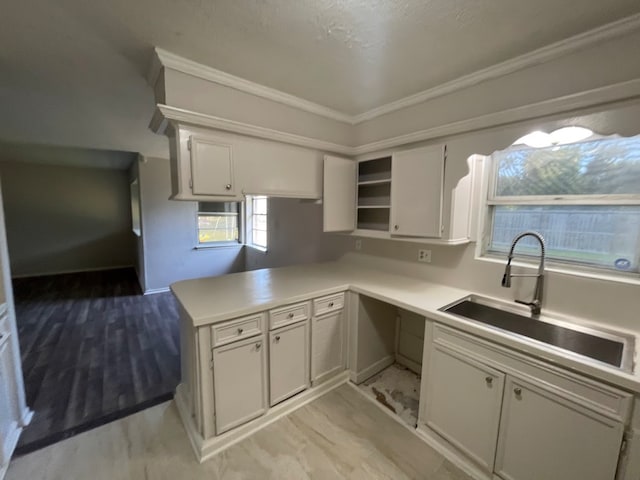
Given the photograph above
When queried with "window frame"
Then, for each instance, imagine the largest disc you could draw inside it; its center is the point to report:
(249, 208)
(221, 243)
(490, 200)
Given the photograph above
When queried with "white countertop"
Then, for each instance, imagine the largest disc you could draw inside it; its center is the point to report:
(215, 299)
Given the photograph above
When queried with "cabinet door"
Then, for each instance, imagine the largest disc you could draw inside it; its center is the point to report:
(417, 178)
(463, 403)
(211, 167)
(8, 424)
(240, 382)
(544, 435)
(327, 346)
(339, 194)
(288, 361)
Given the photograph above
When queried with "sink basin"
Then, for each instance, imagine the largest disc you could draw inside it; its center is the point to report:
(607, 347)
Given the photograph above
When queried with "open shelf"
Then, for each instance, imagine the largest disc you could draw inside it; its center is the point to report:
(374, 194)
(376, 170)
(375, 182)
(373, 219)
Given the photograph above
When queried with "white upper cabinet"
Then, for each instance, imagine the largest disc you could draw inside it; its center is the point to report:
(211, 167)
(416, 192)
(339, 194)
(398, 196)
(219, 166)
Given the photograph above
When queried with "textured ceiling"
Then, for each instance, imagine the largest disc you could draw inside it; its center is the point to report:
(73, 71)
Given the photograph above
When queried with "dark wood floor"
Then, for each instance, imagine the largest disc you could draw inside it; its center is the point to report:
(93, 349)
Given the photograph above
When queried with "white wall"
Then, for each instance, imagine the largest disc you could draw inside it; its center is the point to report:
(295, 236)
(169, 234)
(62, 219)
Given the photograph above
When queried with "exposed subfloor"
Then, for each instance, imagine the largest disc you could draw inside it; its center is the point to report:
(338, 436)
(93, 350)
(398, 389)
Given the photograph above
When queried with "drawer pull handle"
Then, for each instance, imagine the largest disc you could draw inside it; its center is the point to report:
(517, 391)
(228, 186)
(290, 315)
(396, 227)
(240, 330)
(258, 345)
(489, 380)
(330, 304)
(277, 338)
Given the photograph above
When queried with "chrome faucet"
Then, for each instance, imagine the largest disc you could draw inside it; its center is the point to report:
(536, 303)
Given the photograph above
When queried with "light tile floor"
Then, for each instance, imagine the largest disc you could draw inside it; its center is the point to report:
(340, 435)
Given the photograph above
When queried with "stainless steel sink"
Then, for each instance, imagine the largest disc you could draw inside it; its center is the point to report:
(608, 347)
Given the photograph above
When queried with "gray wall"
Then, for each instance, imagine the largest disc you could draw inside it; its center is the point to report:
(62, 219)
(169, 234)
(295, 236)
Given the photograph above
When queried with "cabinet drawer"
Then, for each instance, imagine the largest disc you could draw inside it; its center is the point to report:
(598, 397)
(279, 317)
(328, 304)
(237, 329)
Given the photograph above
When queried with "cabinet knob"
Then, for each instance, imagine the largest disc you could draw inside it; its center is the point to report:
(396, 227)
(489, 380)
(517, 391)
(228, 186)
(240, 330)
(258, 345)
(290, 315)
(277, 338)
(330, 304)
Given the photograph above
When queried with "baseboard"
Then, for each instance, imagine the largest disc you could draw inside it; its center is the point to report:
(415, 367)
(152, 291)
(371, 370)
(205, 449)
(64, 272)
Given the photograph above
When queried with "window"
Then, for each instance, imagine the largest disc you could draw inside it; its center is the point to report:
(218, 223)
(257, 234)
(584, 198)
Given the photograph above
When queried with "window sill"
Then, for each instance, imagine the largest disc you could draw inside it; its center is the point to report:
(215, 246)
(629, 279)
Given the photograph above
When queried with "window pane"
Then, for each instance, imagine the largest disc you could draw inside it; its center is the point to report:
(607, 236)
(260, 238)
(218, 207)
(260, 205)
(260, 222)
(609, 166)
(217, 228)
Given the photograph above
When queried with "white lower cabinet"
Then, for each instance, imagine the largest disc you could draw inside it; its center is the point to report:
(8, 424)
(288, 361)
(327, 346)
(240, 382)
(545, 435)
(518, 418)
(463, 404)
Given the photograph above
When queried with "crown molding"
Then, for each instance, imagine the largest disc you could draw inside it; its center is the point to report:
(165, 115)
(541, 55)
(618, 92)
(163, 59)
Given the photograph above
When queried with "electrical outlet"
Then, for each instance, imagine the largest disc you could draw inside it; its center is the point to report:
(358, 244)
(424, 256)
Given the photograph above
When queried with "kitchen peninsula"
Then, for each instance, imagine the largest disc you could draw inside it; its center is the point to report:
(257, 345)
